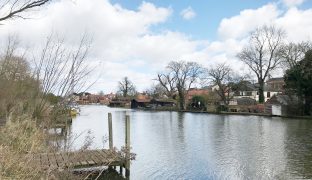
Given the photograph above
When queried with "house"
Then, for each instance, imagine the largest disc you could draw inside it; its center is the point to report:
(84, 98)
(142, 96)
(269, 92)
(93, 98)
(107, 98)
(272, 87)
(196, 92)
(75, 97)
(213, 87)
(243, 104)
(247, 89)
(282, 105)
(276, 83)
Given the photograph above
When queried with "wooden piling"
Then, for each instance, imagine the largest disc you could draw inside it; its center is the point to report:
(110, 131)
(120, 170)
(127, 141)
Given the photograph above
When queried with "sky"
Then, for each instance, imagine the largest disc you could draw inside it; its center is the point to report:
(138, 38)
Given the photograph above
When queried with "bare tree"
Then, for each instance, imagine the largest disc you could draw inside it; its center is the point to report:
(16, 79)
(61, 70)
(101, 93)
(186, 74)
(14, 68)
(157, 91)
(261, 55)
(10, 9)
(126, 87)
(222, 76)
(168, 81)
(293, 52)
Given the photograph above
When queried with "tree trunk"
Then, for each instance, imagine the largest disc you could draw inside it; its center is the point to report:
(181, 99)
(307, 105)
(301, 105)
(261, 91)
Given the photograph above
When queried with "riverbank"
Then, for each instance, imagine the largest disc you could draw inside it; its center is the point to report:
(222, 113)
(248, 114)
(251, 114)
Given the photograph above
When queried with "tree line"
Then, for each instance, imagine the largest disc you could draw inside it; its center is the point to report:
(265, 52)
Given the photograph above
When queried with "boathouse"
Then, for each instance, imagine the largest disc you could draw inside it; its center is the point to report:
(282, 105)
(163, 102)
(120, 102)
(140, 103)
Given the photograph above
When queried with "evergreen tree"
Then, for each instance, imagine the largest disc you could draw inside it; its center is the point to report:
(298, 80)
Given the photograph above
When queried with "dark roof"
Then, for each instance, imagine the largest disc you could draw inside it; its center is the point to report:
(142, 100)
(245, 101)
(164, 100)
(275, 79)
(247, 86)
(282, 99)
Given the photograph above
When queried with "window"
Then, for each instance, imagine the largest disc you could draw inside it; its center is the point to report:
(268, 94)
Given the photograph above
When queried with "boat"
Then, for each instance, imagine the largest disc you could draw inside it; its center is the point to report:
(74, 109)
(73, 112)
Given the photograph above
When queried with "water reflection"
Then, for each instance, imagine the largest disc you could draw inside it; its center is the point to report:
(172, 145)
(299, 148)
(110, 174)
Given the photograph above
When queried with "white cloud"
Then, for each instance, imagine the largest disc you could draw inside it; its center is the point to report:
(292, 3)
(188, 13)
(117, 32)
(239, 26)
(297, 24)
(124, 43)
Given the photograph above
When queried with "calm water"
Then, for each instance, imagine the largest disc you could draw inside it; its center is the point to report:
(171, 145)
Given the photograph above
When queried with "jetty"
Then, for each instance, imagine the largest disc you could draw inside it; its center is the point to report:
(79, 159)
(88, 158)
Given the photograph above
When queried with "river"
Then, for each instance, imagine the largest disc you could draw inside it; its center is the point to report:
(172, 145)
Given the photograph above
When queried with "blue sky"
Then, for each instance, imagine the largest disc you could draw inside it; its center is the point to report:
(209, 14)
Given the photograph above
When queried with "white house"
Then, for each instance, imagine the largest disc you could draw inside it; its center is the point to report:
(247, 89)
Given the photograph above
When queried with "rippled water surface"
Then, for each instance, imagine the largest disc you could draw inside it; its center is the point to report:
(171, 145)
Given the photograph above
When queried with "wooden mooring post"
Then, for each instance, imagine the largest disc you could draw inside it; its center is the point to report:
(127, 141)
(110, 131)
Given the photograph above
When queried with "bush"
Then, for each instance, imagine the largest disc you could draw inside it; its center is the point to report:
(197, 103)
(222, 108)
(18, 140)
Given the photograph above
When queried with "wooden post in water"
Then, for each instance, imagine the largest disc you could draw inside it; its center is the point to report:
(110, 131)
(120, 170)
(127, 141)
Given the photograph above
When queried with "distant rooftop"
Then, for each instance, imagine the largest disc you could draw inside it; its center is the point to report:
(276, 79)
